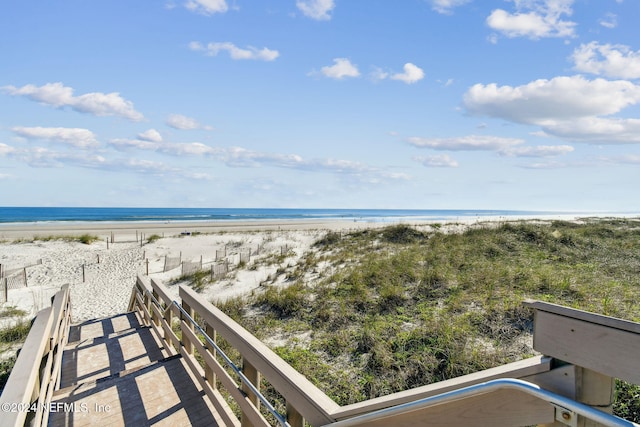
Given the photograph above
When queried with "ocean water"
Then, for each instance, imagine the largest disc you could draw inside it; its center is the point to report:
(74, 214)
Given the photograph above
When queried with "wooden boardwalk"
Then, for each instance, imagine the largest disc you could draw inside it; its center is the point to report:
(115, 371)
(133, 369)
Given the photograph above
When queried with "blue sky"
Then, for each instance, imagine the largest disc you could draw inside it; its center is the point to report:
(426, 104)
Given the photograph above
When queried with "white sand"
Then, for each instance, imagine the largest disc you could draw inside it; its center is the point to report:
(107, 286)
(109, 274)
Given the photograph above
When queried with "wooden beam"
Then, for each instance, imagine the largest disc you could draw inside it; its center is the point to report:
(499, 408)
(601, 348)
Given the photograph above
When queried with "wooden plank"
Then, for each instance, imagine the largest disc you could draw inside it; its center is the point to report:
(599, 319)
(24, 377)
(609, 351)
(310, 401)
(520, 369)
(499, 408)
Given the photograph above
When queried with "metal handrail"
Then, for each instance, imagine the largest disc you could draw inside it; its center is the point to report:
(279, 417)
(506, 383)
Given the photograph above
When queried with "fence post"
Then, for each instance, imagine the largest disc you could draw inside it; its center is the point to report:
(24, 275)
(107, 239)
(98, 255)
(6, 289)
(82, 273)
(1, 275)
(147, 262)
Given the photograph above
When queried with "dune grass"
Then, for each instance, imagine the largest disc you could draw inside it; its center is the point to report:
(404, 307)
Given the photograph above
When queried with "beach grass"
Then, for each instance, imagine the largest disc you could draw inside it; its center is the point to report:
(406, 306)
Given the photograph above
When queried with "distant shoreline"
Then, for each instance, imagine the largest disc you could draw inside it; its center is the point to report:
(104, 229)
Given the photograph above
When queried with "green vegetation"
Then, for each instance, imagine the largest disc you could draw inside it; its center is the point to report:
(406, 307)
(197, 280)
(9, 338)
(87, 239)
(153, 238)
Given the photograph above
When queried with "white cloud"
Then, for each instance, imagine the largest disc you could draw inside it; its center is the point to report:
(437, 161)
(207, 7)
(6, 149)
(76, 137)
(628, 159)
(96, 103)
(560, 98)
(466, 143)
(446, 6)
(511, 147)
(250, 52)
(534, 19)
(617, 61)
(610, 20)
(125, 144)
(598, 130)
(316, 9)
(178, 121)
(569, 107)
(538, 151)
(150, 135)
(411, 74)
(342, 68)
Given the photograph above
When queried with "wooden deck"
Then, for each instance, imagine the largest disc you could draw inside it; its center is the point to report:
(115, 372)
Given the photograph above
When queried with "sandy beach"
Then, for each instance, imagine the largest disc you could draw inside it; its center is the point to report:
(102, 274)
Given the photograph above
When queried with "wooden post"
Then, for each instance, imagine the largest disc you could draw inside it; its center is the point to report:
(596, 390)
(208, 372)
(82, 273)
(137, 236)
(147, 262)
(252, 375)
(24, 276)
(167, 335)
(293, 416)
(107, 239)
(185, 341)
(6, 289)
(98, 255)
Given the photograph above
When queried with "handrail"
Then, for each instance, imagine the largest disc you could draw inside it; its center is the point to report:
(279, 417)
(486, 387)
(282, 420)
(35, 374)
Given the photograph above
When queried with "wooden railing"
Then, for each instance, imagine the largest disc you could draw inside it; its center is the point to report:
(557, 372)
(582, 355)
(36, 373)
(304, 401)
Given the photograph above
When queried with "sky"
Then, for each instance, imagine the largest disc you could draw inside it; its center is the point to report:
(412, 104)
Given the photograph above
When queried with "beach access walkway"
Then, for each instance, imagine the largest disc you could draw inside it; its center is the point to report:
(164, 362)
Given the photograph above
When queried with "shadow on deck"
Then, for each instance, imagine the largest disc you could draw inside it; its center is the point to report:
(115, 372)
